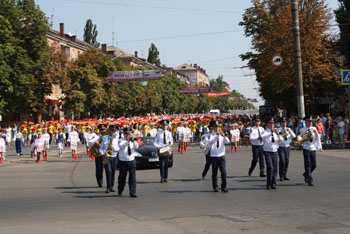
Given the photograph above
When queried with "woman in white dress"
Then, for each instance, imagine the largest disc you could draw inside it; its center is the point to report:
(46, 138)
(73, 139)
(235, 136)
(60, 139)
(39, 147)
(2, 148)
(8, 135)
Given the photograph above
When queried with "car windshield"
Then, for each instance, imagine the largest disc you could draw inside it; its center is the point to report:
(147, 140)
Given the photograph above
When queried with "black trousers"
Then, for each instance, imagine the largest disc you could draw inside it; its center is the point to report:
(283, 154)
(258, 155)
(207, 165)
(110, 172)
(163, 166)
(218, 163)
(272, 167)
(99, 170)
(124, 168)
(309, 164)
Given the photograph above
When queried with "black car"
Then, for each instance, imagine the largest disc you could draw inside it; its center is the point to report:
(147, 156)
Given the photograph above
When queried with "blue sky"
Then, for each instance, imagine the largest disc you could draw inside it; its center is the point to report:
(217, 53)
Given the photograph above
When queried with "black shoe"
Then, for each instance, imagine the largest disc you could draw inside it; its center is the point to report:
(120, 193)
(286, 178)
(273, 187)
(262, 175)
(165, 180)
(203, 177)
(225, 190)
(112, 190)
(133, 195)
(268, 187)
(108, 191)
(249, 173)
(281, 179)
(100, 185)
(216, 190)
(161, 181)
(311, 184)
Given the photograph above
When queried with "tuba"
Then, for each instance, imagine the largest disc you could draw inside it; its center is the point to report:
(95, 147)
(308, 137)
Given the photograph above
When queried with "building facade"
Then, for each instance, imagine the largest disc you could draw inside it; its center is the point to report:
(196, 74)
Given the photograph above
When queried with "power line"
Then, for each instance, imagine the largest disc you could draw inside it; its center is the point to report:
(181, 36)
(155, 7)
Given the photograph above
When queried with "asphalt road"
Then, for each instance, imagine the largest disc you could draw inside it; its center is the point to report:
(61, 196)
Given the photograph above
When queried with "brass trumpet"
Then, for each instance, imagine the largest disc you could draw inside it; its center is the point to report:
(133, 137)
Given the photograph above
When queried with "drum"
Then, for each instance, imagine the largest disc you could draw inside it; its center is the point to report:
(165, 151)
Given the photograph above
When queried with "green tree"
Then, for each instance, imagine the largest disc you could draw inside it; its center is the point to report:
(153, 55)
(268, 23)
(342, 15)
(90, 33)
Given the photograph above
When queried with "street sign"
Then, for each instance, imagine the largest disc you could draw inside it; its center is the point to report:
(345, 77)
(277, 60)
(195, 89)
(120, 76)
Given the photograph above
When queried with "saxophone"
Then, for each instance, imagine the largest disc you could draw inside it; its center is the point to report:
(108, 152)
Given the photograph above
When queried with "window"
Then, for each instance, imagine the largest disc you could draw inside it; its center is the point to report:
(73, 53)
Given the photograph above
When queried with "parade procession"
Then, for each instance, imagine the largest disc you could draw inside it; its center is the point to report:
(113, 144)
(175, 117)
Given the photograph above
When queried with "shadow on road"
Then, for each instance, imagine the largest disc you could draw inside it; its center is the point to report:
(84, 187)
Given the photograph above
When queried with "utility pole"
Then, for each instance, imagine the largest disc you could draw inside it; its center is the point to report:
(297, 52)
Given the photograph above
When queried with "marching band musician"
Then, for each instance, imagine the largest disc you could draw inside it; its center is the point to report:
(284, 148)
(271, 140)
(163, 139)
(98, 160)
(310, 146)
(127, 162)
(204, 145)
(217, 155)
(257, 148)
(106, 145)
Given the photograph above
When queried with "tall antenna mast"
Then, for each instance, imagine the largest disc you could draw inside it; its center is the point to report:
(113, 33)
(51, 23)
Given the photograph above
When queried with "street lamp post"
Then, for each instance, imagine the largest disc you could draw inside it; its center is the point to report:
(297, 52)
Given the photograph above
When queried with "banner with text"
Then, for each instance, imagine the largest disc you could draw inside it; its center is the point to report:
(219, 94)
(121, 76)
(195, 90)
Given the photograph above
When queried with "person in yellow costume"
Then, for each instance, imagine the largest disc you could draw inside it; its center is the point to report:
(145, 129)
(51, 130)
(174, 129)
(81, 134)
(193, 127)
(25, 135)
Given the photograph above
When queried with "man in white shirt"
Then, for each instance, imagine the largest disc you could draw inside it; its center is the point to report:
(163, 139)
(204, 145)
(271, 140)
(153, 131)
(127, 162)
(217, 155)
(341, 131)
(257, 148)
(110, 164)
(284, 148)
(310, 136)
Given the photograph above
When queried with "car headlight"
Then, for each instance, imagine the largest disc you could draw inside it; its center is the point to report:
(137, 154)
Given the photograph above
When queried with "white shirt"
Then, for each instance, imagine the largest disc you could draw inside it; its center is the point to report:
(93, 138)
(271, 140)
(235, 132)
(341, 129)
(159, 140)
(123, 153)
(214, 150)
(254, 135)
(115, 147)
(18, 135)
(104, 144)
(290, 137)
(153, 132)
(68, 128)
(312, 146)
(46, 138)
(73, 137)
